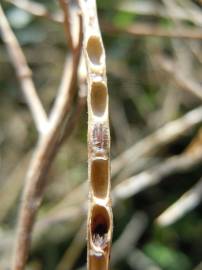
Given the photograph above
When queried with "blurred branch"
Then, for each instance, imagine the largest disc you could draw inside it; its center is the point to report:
(129, 237)
(144, 8)
(44, 225)
(191, 198)
(185, 204)
(154, 175)
(37, 9)
(139, 261)
(149, 8)
(72, 253)
(66, 91)
(24, 74)
(143, 29)
(9, 195)
(67, 25)
(164, 135)
(140, 29)
(81, 102)
(148, 145)
(74, 117)
(47, 222)
(43, 157)
(181, 79)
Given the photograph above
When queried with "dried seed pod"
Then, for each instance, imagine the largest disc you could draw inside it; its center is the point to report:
(100, 213)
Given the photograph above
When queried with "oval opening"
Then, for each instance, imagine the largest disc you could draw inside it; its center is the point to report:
(99, 177)
(99, 226)
(94, 50)
(98, 98)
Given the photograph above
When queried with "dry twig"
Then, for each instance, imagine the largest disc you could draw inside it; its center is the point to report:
(24, 74)
(48, 141)
(181, 79)
(9, 195)
(99, 225)
(183, 205)
(152, 176)
(67, 23)
(163, 136)
(143, 29)
(74, 250)
(144, 8)
(149, 8)
(129, 237)
(37, 9)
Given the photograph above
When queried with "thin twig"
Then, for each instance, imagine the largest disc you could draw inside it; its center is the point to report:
(139, 261)
(129, 237)
(74, 250)
(99, 224)
(151, 8)
(24, 74)
(40, 10)
(144, 8)
(74, 214)
(80, 105)
(74, 117)
(44, 224)
(143, 29)
(37, 9)
(181, 79)
(66, 92)
(154, 175)
(42, 159)
(67, 24)
(9, 195)
(183, 205)
(164, 135)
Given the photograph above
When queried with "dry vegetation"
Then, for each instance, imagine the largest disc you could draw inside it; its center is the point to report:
(152, 104)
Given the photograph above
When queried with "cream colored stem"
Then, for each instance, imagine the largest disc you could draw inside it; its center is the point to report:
(99, 214)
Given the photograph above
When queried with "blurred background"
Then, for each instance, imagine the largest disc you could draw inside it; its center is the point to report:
(154, 66)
